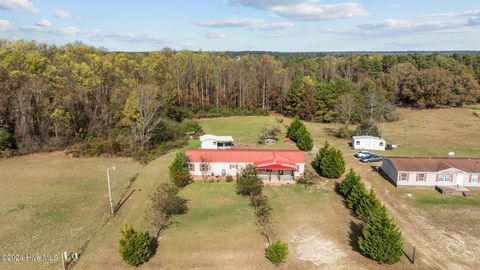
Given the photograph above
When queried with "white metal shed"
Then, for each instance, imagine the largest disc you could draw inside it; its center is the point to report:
(368, 143)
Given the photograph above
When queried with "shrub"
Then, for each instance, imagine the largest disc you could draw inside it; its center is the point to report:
(268, 132)
(309, 178)
(329, 162)
(190, 126)
(344, 132)
(134, 246)
(350, 180)
(277, 252)
(179, 172)
(293, 129)
(305, 142)
(229, 178)
(381, 240)
(248, 182)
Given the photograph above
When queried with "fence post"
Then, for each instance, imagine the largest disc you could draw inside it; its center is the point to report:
(413, 256)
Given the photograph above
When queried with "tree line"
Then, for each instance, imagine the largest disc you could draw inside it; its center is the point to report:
(55, 96)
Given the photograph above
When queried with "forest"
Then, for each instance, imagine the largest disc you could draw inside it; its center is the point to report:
(95, 102)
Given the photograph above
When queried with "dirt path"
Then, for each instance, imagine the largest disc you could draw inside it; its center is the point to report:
(436, 249)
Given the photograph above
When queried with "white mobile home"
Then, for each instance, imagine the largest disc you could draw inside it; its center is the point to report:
(368, 143)
(430, 172)
(216, 142)
(274, 166)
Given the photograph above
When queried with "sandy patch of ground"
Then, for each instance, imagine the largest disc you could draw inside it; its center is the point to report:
(313, 247)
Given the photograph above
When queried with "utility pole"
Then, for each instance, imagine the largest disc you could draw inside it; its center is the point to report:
(405, 133)
(110, 189)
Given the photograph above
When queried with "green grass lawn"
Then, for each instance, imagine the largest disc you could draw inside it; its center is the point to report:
(433, 200)
(52, 203)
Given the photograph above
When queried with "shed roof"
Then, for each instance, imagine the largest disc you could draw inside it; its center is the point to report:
(367, 137)
(435, 164)
(259, 157)
(208, 137)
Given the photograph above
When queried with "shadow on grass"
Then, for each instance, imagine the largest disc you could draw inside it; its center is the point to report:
(355, 232)
(153, 246)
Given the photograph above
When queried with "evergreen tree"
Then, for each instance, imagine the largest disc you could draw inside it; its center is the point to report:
(368, 206)
(277, 252)
(381, 240)
(357, 192)
(134, 246)
(294, 128)
(293, 97)
(305, 142)
(351, 179)
(179, 172)
(329, 162)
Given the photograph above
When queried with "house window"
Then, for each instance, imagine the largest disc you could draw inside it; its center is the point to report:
(381, 144)
(191, 167)
(204, 167)
(404, 177)
(474, 178)
(421, 177)
(357, 142)
(444, 177)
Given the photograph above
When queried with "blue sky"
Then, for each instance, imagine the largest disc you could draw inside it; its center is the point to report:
(271, 25)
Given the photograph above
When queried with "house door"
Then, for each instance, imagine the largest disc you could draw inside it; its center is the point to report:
(460, 179)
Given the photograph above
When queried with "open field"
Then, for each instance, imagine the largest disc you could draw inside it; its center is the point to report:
(51, 203)
(219, 231)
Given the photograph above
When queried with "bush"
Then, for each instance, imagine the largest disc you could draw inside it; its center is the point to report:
(229, 178)
(329, 162)
(277, 252)
(305, 142)
(179, 172)
(268, 132)
(381, 240)
(134, 246)
(190, 126)
(356, 193)
(344, 132)
(248, 182)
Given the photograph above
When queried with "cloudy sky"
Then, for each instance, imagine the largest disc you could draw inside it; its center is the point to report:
(271, 25)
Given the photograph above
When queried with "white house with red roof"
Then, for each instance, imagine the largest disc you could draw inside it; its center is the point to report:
(275, 166)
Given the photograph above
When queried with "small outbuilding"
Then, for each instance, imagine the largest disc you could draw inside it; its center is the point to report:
(209, 141)
(368, 143)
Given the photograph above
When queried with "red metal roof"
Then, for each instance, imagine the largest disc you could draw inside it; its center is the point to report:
(260, 157)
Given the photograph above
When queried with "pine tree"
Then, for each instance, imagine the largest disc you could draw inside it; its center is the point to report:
(134, 246)
(305, 142)
(294, 128)
(329, 162)
(293, 97)
(368, 206)
(179, 172)
(381, 240)
(348, 182)
(357, 192)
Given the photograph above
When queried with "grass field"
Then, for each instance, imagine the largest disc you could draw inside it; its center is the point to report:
(53, 200)
(52, 203)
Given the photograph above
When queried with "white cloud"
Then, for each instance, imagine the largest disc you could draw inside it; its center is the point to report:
(70, 30)
(5, 26)
(100, 35)
(43, 23)
(229, 23)
(309, 10)
(253, 24)
(24, 5)
(430, 23)
(62, 14)
(214, 34)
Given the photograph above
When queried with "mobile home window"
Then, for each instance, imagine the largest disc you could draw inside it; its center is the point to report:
(404, 177)
(357, 142)
(474, 178)
(204, 167)
(421, 177)
(444, 177)
(381, 143)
